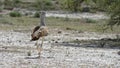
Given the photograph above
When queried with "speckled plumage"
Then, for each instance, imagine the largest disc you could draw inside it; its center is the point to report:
(39, 32)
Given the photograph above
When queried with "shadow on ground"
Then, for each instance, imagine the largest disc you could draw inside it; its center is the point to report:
(102, 43)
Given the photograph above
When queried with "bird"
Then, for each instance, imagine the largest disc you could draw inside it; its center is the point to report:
(39, 31)
(118, 52)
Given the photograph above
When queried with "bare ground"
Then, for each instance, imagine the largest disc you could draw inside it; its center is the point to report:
(14, 46)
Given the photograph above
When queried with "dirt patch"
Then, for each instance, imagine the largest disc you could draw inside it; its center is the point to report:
(15, 45)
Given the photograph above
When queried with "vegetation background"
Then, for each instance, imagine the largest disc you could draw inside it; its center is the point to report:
(109, 7)
(82, 42)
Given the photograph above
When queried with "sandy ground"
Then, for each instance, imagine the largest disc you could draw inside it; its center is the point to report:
(94, 16)
(15, 45)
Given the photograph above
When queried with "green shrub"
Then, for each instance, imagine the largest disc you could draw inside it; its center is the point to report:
(85, 9)
(47, 3)
(87, 20)
(1, 9)
(37, 15)
(15, 14)
(43, 5)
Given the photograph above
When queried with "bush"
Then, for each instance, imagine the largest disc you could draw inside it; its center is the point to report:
(43, 5)
(85, 9)
(15, 14)
(37, 15)
(87, 20)
(47, 3)
(1, 9)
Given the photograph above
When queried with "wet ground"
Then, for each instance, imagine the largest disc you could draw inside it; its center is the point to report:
(15, 45)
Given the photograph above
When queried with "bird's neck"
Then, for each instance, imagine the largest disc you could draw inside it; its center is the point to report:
(42, 20)
(42, 23)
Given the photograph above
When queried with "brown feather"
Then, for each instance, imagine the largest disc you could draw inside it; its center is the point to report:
(39, 32)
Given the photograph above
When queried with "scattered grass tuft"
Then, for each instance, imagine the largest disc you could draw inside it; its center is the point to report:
(15, 14)
(28, 23)
(87, 20)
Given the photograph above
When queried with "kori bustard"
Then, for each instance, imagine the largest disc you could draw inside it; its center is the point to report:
(40, 31)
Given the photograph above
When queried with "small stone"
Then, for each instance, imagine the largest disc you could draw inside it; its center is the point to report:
(53, 40)
(19, 40)
(77, 39)
(68, 28)
(59, 32)
(63, 42)
(56, 41)
(4, 47)
(29, 53)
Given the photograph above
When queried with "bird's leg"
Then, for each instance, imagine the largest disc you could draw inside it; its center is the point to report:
(37, 46)
(40, 49)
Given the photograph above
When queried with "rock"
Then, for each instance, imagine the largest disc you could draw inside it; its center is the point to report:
(56, 41)
(63, 42)
(19, 40)
(29, 53)
(77, 39)
(59, 32)
(68, 28)
(4, 47)
(53, 40)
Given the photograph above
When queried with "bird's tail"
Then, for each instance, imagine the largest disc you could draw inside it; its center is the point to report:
(34, 39)
(31, 40)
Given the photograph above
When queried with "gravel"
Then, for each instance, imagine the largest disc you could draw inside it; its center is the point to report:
(15, 45)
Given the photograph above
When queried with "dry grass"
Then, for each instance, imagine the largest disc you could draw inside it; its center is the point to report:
(27, 23)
